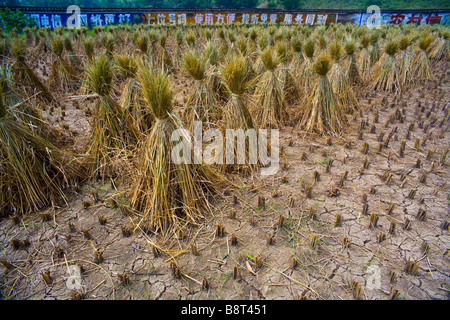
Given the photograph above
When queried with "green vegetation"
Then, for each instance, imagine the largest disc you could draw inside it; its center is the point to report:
(15, 20)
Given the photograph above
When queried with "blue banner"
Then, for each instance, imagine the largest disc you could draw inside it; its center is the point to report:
(87, 19)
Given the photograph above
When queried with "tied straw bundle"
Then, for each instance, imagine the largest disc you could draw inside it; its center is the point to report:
(323, 111)
(169, 192)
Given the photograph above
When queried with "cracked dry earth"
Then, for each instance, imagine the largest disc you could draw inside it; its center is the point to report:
(377, 233)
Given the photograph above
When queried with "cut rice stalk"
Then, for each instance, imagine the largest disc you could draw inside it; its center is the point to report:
(306, 76)
(34, 172)
(405, 58)
(350, 63)
(169, 193)
(385, 73)
(323, 111)
(130, 98)
(201, 103)
(420, 66)
(363, 57)
(271, 107)
(290, 88)
(340, 82)
(113, 132)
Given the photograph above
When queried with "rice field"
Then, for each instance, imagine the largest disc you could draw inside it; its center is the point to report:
(93, 204)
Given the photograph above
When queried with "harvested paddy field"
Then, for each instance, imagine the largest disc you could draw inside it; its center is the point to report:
(359, 208)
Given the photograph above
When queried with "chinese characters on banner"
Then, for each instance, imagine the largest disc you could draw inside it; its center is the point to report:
(415, 18)
(54, 20)
(166, 18)
(412, 18)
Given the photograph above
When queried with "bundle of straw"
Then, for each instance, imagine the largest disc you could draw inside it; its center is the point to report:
(297, 59)
(168, 193)
(323, 111)
(141, 42)
(375, 48)
(271, 106)
(213, 56)
(385, 73)
(306, 76)
(350, 63)
(88, 47)
(178, 49)
(339, 80)
(73, 59)
(420, 66)
(62, 72)
(441, 49)
(109, 42)
(364, 59)
(201, 103)
(164, 57)
(235, 75)
(21, 110)
(130, 98)
(113, 132)
(290, 91)
(33, 172)
(405, 58)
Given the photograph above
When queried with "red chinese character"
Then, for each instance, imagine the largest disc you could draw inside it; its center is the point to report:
(434, 20)
(414, 19)
(397, 19)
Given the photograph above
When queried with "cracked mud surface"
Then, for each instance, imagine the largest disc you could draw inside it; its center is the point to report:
(324, 270)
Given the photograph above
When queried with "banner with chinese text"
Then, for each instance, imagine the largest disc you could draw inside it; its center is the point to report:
(416, 18)
(91, 19)
(171, 18)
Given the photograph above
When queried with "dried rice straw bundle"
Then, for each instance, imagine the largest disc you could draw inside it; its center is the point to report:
(385, 74)
(88, 48)
(339, 80)
(153, 38)
(130, 98)
(61, 72)
(271, 107)
(363, 56)
(33, 172)
(164, 57)
(235, 75)
(21, 111)
(297, 59)
(374, 47)
(201, 104)
(350, 63)
(323, 111)
(291, 92)
(178, 49)
(169, 192)
(405, 58)
(263, 43)
(441, 49)
(74, 62)
(109, 42)
(141, 42)
(113, 132)
(420, 66)
(213, 56)
(306, 76)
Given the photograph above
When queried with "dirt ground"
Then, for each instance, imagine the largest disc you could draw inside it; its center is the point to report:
(306, 253)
